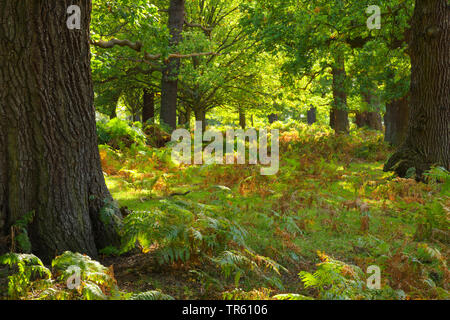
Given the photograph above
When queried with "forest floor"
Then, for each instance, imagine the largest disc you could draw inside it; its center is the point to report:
(230, 232)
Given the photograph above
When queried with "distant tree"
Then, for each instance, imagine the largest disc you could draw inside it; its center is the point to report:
(148, 109)
(169, 82)
(312, 115)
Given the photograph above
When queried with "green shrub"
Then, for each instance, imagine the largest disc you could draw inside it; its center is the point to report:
(27, 268)
(120, 134)
(337, 280)
(31, 280)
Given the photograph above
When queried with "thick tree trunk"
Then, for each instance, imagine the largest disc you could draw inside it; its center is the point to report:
(169, 82)
(339, 113)
(148, 110)
(242, 122)
(396, 121)
(428, 140)
(49, 159)
(369, 119)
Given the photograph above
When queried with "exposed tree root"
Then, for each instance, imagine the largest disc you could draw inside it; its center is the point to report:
(405, 159)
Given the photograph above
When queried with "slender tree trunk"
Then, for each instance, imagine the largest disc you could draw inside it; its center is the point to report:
(242, 121)
(113, 114)
(169, 82)
(396, 121)
(312, 115)
(188, 116)
(339, 114)
(49, 159)
(148, 110)
(428, 140)
(273, 118)
(184, 116)
(114, 102)
(181, 118)
(332, 117)
(200, 115)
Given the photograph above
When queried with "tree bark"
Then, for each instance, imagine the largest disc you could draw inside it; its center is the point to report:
(332, 117)
(339, 113)
(396, 121)
(273, 118)
(148, 110)
(113, 114)
(312, 116)
(169, 82)
(200, 115)
(242, 122)
(369, 119)
(49, 158)
(428, 139)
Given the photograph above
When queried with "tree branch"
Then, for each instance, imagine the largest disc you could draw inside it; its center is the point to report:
(137, 46)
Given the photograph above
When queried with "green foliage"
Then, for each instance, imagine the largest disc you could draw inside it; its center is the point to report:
(22, 241)
(90, 280)
(151, 295)
(291, 296)
(182, 231)
(439, 175)
(108, 214)
(27, 268)
(239, 294)
(120, 134)
(336, 280)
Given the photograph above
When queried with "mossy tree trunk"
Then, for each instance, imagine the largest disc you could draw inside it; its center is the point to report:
(49, 159)
(428, 139)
